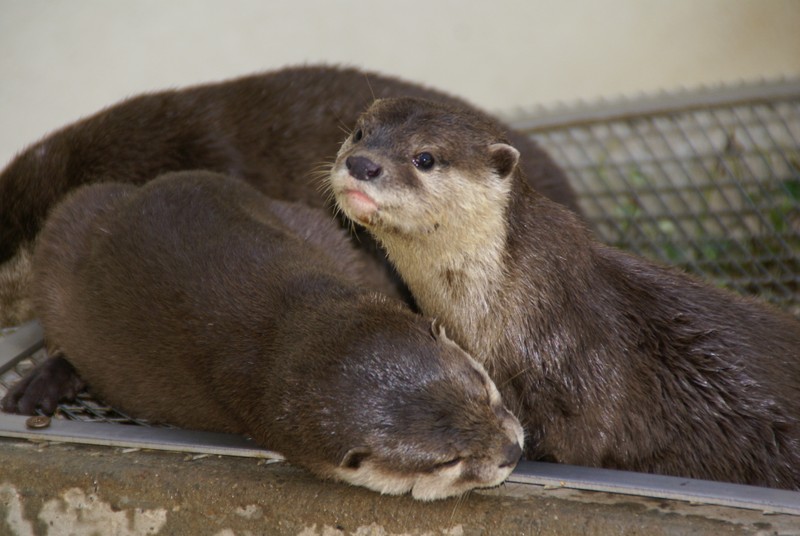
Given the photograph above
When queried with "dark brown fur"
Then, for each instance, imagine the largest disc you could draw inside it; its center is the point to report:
(608, 359)
(272, 130)
(196, 301)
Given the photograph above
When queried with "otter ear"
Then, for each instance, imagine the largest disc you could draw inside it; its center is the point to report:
(439, 334)
(436, 329)
(504, 158)
(354, 457)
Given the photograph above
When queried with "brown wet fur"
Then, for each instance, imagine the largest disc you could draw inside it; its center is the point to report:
(196, 301)
(275, 130)
(608, 359)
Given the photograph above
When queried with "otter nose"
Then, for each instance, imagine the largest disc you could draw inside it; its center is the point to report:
(511, 455)
(362, 168)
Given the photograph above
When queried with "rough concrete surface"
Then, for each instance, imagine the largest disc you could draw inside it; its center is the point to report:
(50, 489)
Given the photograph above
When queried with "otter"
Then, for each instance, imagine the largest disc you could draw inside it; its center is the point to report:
(608, 359)
(196, 301)
(274, 130)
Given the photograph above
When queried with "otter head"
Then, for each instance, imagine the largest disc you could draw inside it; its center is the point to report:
(413, 167)
(432, 182)
(429, 420)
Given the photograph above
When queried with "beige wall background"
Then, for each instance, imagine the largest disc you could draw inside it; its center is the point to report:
(63, 59)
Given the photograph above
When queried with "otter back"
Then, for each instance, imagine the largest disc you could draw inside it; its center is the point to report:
(274, 130)
(194, 300)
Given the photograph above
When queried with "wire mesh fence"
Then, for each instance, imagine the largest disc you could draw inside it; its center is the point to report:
(708, 181)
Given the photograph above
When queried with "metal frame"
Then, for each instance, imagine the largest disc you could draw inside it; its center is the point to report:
(663, 104)
(24, 341)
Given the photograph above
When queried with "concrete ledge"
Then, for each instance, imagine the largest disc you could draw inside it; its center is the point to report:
(49, 489)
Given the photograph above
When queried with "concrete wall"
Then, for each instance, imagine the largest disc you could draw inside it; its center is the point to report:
(56, 490)
(62, 59)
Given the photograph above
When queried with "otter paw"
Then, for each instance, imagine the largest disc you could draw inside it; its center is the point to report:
(52, 381)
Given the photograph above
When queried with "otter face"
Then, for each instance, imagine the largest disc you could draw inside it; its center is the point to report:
(438, 427)
(432, 183)
(413, 167)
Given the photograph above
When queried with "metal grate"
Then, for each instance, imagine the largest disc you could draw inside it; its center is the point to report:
(84, 408)
(708, 181)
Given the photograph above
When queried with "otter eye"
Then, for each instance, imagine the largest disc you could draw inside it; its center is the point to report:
(357, 135)
(424, 161)
(449, 463)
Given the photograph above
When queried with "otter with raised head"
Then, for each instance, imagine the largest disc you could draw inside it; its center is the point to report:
(273, 130)
(607, 359)
(196, 301)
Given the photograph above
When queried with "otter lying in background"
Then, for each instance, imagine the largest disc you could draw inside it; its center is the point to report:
(273, 130)
(608, 359)
(196, 301)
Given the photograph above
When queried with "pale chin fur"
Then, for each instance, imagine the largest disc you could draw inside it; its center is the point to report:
(440, 484)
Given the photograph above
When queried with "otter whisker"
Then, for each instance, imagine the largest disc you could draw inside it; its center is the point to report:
(460, 500)
(366, 77)
(515, 376)
(352, 229)
(320, 182)
(339, 122)
(347, 131)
